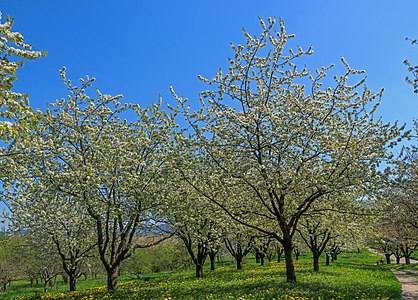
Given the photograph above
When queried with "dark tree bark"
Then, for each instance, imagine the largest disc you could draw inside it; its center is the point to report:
(112, 278)
(262, 255)
(290, 267)
(387, 256)
(199, 257)
(297, 252)
(279, 254)
(316, 238)
(72, 261)
(115, 236)
(334, 250)
(261, 249)
(212, 256)
(239, 247)
(239, 263)
(398, 254)
(73, 282)
(407, 251)
(257, 257)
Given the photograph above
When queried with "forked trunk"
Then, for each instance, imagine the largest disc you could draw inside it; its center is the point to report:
(407, 260)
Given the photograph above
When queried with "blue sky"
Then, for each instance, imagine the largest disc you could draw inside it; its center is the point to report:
(138, 48)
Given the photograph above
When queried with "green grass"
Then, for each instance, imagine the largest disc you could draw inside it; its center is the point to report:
(353, 276)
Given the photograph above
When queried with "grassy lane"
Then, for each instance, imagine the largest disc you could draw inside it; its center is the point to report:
(354, 276)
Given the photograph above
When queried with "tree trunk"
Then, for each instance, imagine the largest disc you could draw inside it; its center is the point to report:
(199, 271)
(112, 279)
(407, 260)
(315, 261)
(398, 260)
(73, 282)
(387, 255)
(46, 285)
(279, 255)
(31, 282)
(290, 267)
(239, 263)
(327, 259)
(212, 261)
(262, 259)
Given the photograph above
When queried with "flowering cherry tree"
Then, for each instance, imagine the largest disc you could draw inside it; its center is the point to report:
(282, 137)
(95, 170)
(14, 105)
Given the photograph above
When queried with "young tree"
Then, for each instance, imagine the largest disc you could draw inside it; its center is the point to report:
(260, 247)
(316, 238)
(11, 263)
(280, 139)
(198, 224)
(48, 213)
(239, 242)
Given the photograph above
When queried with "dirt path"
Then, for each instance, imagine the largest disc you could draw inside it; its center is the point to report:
(409, 285)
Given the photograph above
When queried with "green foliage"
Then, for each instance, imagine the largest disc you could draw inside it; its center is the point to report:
(167, 256)
(354, 277)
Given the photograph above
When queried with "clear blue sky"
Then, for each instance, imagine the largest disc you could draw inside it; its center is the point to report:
(138, 48)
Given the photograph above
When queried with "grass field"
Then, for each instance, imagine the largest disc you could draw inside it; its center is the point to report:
(353, 276)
